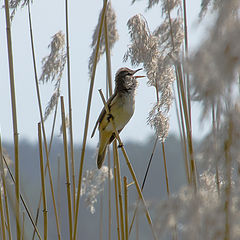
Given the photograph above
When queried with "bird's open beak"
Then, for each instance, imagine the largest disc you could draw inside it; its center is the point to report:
(138, 76)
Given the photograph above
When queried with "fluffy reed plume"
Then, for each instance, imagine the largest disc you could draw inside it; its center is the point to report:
(156, 52)
(53, 67)
(14, 4)
(112, 35)
(212, 211)
(215, 66)
(199, 214)
(93, 184)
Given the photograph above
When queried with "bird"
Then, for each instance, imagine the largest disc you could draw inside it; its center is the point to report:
(121, 108)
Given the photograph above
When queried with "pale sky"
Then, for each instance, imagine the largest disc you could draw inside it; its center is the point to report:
(48, 19)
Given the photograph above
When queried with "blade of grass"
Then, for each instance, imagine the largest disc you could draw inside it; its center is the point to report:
(129, 167)
(87, 122)
(14, 119)
(66, 167)
(45, 217)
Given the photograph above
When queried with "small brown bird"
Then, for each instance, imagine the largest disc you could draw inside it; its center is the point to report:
(121, 106)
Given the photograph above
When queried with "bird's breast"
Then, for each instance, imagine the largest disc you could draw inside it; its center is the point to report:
(122, 111)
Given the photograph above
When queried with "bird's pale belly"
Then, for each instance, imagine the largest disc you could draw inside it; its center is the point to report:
(122, 113)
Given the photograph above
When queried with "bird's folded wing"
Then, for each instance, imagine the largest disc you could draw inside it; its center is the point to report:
(102, 114)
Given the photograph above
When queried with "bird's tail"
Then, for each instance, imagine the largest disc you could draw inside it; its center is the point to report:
(101, 156)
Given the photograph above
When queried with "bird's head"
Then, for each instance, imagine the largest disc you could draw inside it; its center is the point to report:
(125, 80)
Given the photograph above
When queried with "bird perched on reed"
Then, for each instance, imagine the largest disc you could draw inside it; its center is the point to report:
(121, 106)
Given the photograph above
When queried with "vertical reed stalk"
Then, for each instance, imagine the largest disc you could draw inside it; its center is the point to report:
(116, 159)
(116, 195)
(165, 168)
(14, 119)
(228, 169)
(42, 122)
(45, 217)
(67, 168)
(186, 53)
(1, 203)
(214, 135)
(8, 226)
(129, 166)
(109, 196)
(23, 225)
(182, 133)
(109, 88)
(59, 186)
(101, 218)
(193, 176)
(70, 110)
(126, 206)
(87, 122)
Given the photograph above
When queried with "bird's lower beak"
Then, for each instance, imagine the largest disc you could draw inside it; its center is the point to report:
(139, 76)
(137, 71)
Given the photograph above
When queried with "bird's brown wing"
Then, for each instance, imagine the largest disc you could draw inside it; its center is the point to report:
(102, 114)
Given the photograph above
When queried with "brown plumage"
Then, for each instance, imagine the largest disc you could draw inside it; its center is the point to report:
(121, 106)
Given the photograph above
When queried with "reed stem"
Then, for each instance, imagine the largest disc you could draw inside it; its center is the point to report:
(1, 203)
(126, 206)
(116, 195)
(116, 159)
(45, 217)
(14, 119)
(8, 226)
(70, 111)
(66, 168)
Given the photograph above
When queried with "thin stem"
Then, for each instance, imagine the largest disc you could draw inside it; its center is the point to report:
(8, 226)
(109, 88)
(186, 53)
(116, 159)
(14, 119)
(116, 195)
(70, 111)
(165, 168)
(109, 196)
(1, 203)
(45, 217)
(182, 132)
(143, 184)
(87, 122)
(126, 206)
(66, 168)
(42, 122)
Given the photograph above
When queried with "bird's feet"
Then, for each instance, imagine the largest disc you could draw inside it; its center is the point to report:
(109, 117)
(120, 145)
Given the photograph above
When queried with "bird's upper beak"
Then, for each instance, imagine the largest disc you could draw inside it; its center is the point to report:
(137, 71)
